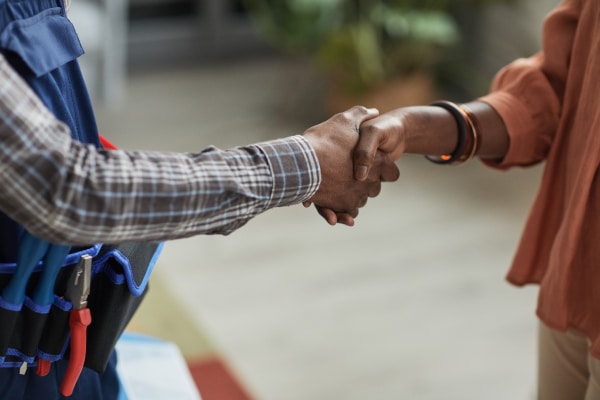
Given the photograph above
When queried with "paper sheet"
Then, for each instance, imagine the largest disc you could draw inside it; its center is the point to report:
(153, 369)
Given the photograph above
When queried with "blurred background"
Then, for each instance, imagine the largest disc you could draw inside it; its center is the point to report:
(411, 303)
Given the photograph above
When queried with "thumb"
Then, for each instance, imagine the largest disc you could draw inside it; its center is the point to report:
(364, 155)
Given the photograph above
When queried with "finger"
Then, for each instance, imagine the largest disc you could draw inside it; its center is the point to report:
(375, 190)
(307, 204)
(364, 155)
(345, 219)
(328, 214)
(363, 201)
(390, 172)
(384, 169)
(359, 114)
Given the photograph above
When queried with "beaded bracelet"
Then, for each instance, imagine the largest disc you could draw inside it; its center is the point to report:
(468, 135)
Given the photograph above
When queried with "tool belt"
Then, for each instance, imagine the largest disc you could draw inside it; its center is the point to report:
(119, 282)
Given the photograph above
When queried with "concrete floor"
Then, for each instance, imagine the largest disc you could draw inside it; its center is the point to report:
(411, 303)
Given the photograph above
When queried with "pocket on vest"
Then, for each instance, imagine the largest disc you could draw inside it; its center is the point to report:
(43, 42)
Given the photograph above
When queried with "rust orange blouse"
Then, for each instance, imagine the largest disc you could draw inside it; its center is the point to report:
(550, 104)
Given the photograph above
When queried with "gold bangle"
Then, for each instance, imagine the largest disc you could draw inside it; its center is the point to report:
(474, 122)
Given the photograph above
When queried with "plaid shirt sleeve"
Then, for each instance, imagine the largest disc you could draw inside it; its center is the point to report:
(67, 192)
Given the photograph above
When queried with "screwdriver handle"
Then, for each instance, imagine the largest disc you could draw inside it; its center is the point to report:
(43, 367)
(53, 261)
(31, 250)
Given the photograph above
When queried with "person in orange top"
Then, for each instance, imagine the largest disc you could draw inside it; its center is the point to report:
(543, 108)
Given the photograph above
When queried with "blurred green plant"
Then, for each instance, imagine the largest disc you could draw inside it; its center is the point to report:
(363, 43)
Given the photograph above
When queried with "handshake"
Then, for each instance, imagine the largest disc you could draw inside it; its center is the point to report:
(355, 157)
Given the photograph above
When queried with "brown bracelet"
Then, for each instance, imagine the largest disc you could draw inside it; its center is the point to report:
(468, 135)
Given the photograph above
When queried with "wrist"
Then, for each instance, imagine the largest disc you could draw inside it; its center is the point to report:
(494, 139)
(467, 141)
(428, 130)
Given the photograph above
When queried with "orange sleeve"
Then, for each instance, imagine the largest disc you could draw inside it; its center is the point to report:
(528, 92)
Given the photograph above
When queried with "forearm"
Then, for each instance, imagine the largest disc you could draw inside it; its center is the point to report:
(117, 196)
(431, 130)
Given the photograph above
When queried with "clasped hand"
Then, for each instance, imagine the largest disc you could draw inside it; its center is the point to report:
(335, 141)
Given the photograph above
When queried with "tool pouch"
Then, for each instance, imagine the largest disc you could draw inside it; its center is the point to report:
(29, 332)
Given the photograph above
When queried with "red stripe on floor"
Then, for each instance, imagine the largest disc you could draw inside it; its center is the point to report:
(215, 381)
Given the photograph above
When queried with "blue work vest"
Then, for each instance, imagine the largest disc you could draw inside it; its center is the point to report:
(41, 44)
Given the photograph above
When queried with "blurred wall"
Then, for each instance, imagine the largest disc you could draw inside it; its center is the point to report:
(511, 31)
(168, 33)
(171, 32)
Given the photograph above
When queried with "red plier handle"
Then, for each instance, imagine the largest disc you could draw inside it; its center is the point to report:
(79, 320)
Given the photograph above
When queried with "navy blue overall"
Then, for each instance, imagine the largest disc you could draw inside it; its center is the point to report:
(41, 44)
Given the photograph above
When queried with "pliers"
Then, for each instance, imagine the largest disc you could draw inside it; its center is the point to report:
(79, 319)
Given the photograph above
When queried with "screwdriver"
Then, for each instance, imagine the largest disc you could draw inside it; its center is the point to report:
(31, 250)
(43, 294)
